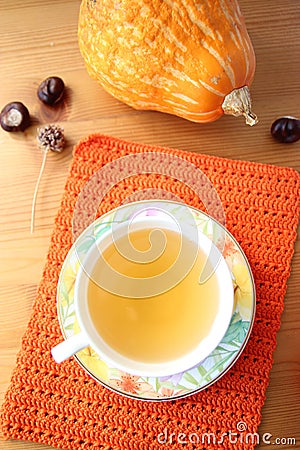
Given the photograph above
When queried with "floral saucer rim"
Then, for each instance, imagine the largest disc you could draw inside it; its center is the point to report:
(178, 385)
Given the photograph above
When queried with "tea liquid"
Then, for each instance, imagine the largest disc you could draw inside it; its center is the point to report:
(164, 326)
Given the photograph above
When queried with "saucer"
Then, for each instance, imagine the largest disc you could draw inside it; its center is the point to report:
(181, 384)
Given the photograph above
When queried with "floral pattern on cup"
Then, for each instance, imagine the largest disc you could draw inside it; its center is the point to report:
(190, 381)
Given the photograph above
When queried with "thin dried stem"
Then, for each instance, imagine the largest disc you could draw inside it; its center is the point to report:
(45, 152)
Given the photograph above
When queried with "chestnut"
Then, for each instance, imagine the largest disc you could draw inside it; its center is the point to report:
(51, 90)
(286, 129)
(14, 117)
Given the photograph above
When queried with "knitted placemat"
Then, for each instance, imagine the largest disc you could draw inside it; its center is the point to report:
(62, 406)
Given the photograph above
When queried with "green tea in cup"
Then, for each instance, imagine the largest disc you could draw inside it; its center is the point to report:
(142, 302)
(158, 328)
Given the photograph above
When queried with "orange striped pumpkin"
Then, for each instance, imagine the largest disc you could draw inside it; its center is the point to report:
(193, 59)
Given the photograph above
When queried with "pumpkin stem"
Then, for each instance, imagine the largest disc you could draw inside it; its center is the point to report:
(238, 103)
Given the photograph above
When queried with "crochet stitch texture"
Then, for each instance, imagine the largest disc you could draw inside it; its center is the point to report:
(62, 406)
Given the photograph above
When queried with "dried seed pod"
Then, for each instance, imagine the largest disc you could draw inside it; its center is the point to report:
(51, 90)
(14, 117)
(50, 138)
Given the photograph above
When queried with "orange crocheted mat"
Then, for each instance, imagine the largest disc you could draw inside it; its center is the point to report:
(62, 406)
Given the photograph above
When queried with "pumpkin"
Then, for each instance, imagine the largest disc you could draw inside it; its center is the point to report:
(193, 59)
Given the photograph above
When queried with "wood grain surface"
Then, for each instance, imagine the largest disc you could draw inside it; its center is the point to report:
(39, 39)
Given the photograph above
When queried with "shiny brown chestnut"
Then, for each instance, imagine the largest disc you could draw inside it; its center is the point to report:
(14, 117)
(51, 90)
(286, 129)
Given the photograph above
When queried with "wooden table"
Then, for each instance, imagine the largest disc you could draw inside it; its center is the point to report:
(39, 39)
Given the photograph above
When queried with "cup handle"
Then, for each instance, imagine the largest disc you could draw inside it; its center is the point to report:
(69, 347)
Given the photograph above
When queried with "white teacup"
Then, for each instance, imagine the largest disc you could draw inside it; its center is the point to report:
(141, 316)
